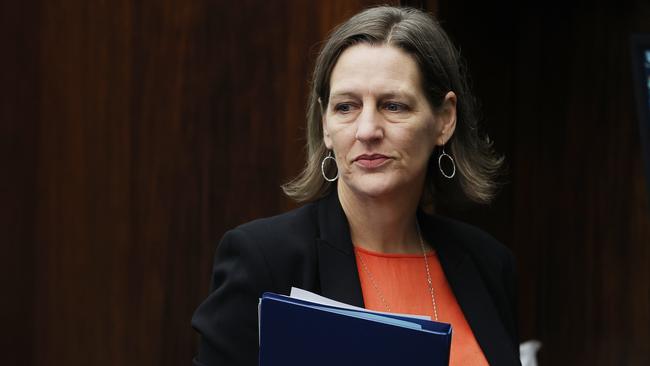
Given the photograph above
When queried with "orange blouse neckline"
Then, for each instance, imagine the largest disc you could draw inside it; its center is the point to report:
(429, 253)
(402, 281)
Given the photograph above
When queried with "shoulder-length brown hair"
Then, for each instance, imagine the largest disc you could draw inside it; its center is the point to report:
(442, 70)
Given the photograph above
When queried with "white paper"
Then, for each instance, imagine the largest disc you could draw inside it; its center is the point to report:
(300, 294)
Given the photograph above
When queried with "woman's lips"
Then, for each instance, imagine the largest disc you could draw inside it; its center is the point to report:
(371, 161)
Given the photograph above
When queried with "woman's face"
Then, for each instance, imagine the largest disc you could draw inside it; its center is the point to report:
(379, 123)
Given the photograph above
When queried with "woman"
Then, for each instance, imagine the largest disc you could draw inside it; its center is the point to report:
(390, 127)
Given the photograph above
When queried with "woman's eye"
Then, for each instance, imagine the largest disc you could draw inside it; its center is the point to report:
(343, 107)
(394, 107)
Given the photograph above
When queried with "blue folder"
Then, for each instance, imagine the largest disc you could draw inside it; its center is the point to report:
(297, 332)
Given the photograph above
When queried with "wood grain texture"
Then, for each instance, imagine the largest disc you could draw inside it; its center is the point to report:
(135, 134)
(18, 116)
(557, 91)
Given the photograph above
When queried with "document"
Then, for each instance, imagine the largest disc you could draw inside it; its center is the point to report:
(300, 294)
(308, 329)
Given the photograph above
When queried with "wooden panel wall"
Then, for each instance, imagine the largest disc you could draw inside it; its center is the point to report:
(134, 134)
(556, 85)
(18, 77)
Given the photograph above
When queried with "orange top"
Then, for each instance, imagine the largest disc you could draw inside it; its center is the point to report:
(402, 280)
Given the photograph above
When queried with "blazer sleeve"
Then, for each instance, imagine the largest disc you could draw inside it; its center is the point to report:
(227, 319)
(510, 285)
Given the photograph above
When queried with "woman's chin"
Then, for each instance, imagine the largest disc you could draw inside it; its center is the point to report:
(372, 188)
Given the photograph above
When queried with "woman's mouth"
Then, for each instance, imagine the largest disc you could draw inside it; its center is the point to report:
(370, 161)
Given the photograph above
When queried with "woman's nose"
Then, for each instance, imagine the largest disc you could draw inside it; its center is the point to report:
(369, 125)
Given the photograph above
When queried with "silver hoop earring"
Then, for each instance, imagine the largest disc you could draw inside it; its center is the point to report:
(322, 167)
(453, 164)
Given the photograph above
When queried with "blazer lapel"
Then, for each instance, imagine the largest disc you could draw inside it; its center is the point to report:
(339, 277)
(471, 294)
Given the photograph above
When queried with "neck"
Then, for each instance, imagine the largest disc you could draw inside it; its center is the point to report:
(386, 224)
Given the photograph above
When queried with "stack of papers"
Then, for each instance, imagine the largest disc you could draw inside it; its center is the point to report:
(308, 329)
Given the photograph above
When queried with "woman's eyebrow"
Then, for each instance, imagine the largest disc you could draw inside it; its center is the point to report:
(382, 95)
(341, 94)
(397, 94)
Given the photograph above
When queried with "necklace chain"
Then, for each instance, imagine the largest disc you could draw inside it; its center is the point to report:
(426, 264)
(429, 282)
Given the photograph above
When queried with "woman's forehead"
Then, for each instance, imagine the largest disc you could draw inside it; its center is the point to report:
(383, 69)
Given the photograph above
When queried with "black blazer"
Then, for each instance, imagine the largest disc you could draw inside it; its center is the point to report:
(310, 248)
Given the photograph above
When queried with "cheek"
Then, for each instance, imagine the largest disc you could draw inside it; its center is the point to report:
(330, 133)
(418, 142)
(340, 135)
(428, 136)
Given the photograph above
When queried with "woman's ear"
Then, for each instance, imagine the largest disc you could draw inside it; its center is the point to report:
(446, 118)
(326, 135)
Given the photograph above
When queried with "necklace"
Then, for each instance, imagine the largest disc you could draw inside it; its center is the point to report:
(429, 282)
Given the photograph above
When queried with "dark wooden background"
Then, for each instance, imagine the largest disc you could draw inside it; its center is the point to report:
(133, 134)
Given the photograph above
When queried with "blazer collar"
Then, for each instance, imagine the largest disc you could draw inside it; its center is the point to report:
(470, 290)
(339, 276)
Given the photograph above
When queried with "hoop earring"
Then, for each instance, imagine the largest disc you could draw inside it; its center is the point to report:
(453, 164)
(322, 167)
